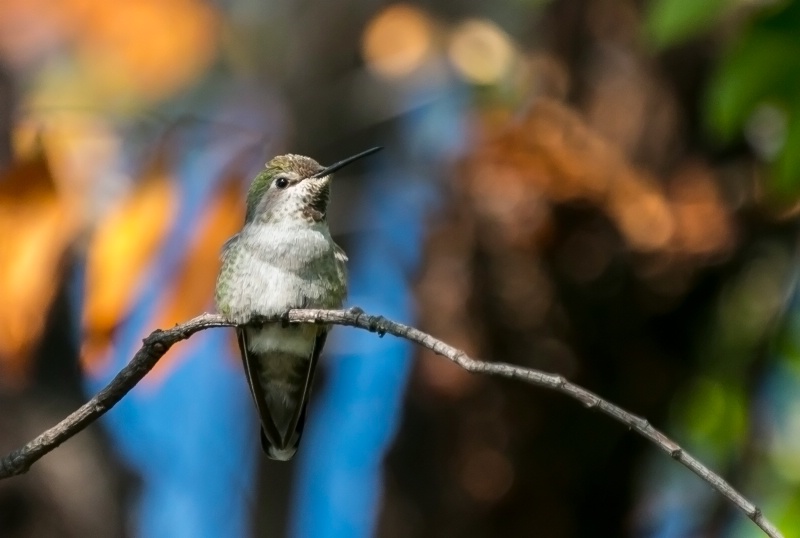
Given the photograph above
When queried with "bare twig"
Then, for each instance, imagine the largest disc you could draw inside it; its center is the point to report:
(157, 344)
(153, 348)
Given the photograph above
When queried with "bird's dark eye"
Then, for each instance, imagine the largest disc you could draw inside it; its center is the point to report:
(281, 182)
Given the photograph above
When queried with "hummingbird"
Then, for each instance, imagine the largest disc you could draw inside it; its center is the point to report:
(283, 258)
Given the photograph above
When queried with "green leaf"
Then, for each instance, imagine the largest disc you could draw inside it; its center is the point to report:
(785, 177)
(671, 21)
(764, 66)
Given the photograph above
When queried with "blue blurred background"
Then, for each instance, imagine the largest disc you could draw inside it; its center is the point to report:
(603, 189)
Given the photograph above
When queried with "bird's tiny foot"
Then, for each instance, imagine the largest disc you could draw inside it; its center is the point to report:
(285, 320)
(355, 311)
(254, 321)
(377, 325)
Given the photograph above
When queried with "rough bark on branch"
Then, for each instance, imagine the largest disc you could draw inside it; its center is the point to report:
(159, 342)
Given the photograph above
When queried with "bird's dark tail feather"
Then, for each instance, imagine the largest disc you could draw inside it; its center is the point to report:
(288, 451)
(281, 426)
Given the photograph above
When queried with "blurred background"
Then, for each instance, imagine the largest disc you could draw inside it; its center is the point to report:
(607, 190)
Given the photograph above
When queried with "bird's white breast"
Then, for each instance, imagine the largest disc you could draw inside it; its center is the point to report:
(275, 267)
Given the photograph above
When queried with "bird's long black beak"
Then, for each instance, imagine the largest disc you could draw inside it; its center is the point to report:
(341, 164)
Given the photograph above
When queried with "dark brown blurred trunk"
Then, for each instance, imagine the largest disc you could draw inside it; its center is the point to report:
(587, 237)
(6, 117)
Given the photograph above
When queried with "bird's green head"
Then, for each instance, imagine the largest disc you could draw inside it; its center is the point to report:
(293, 187)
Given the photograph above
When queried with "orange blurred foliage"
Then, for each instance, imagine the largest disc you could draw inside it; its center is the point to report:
(36, 229)
(119, 253)
(193, 283)
(553, 155)
(503, 226)
(128, 241)
(154, 46)
(131, 49)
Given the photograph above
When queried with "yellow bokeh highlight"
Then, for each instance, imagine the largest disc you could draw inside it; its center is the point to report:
(397, 41)
(481, 51)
